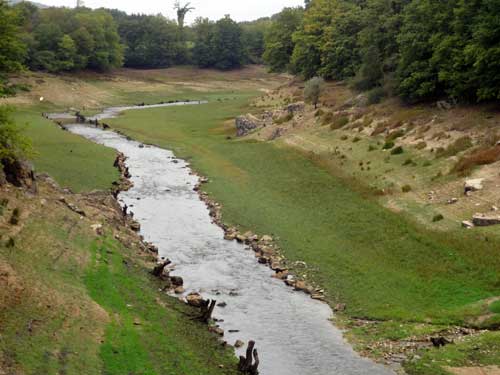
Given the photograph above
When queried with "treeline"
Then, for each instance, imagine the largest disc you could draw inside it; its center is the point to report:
(418, 49)
(64, 39)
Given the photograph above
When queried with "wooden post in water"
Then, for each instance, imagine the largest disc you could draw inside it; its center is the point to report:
(247, 364)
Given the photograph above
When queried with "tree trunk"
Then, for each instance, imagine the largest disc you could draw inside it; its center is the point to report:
(158, 270)
(247, 364)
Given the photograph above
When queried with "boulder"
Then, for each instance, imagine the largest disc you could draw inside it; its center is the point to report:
(296, 108)
(482, 220)
(194, 299)
(179, 290)
(474, 185)
(246, 124)
(19, 173)
(266, 238)
(177, 281)
(239, 344)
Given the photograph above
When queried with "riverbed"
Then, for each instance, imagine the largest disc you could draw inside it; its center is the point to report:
(293, 333)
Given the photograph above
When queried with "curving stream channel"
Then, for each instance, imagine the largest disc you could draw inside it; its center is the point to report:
(294, 334)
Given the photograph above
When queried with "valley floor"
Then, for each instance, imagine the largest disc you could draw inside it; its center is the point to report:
(324, 189)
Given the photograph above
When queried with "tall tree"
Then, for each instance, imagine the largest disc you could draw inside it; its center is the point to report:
(182, 11)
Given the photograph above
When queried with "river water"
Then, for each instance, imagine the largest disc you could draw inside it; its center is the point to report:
(293, 333)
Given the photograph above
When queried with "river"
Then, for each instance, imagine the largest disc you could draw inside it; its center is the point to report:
(293, 333)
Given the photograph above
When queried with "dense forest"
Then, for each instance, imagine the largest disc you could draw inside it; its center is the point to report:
(417, 49)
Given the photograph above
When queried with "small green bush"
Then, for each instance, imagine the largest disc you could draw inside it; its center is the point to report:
(460, 145)
(14, 220)
(356, 140)
(376, 95)
(388, 145)
(408, 162)
(371, 148)
(397, 151)
(395, 135)
(406, 189)
(437, 218)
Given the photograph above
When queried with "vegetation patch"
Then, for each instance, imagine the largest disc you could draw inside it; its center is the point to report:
(479, 157)
(460, 145)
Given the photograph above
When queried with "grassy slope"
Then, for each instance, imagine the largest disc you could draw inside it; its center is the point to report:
(85, 304)
(73, 161)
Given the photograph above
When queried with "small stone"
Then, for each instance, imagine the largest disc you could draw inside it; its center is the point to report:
(177, 280)
(239, 344)
(179, 290)
(240, 238)
(194, 299)
(452, 201)
(340, 307)
(266, 238)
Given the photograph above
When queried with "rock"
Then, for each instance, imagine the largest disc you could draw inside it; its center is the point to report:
(452, 201)
(340, 307)
(278, 132)
(281, 275)
(239, 344)
(318, 297)
(19, 173)
(137, 322)
(474, 185)
(494, 208)
(300, 286)
(266, 238)
(222, 304)
(482, 220)
(246, 124)
(241, 238)
(467, 224)
(179, 290)
(230, 237)
(177, 281)
(444, 105)
(97, 228)
(263, 260)
(217, 330)
(135, 226)
(295, 108)
(194, 299)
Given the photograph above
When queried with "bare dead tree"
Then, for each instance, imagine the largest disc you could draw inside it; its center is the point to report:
(247, 364)
(182, 10)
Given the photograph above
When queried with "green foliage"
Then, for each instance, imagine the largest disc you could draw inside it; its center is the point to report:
(13, 143)
(151, 41)
(388, 145)
(437, 218)
(406, 189)
(495, 307)
(376, 95)
(397, 150)
(253, 39)
(12, 49)
(279, 44)
(218, 45)
(339, 122)
(63, 39)
(312, 90)
(460, 145)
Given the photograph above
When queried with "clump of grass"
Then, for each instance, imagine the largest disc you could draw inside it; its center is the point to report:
(10, 243)
(437, 218)
(421, 145)
(480, 157)
(397, 151)
(388, 145)
(371, 148)
(427, 163)
(395, 135)
(339, 122)
(409, 162)
(356, 140)
(14, 219)
(344, 138)
(283, 119)
(319, 113)
(495, 307)
(460, 145)
(376, 95)
(406, 189)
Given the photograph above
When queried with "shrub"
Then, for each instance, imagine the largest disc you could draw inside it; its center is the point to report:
(406, 189)
(395, 135)
(356, 140)
(313, 89)
(408, 162)
(437, 218)
(477, 158)
(460, 145)
(388, 145)
(319, 113)
(371, 148)
(14, 220)
(397, 151)
(376, 95)
(344, 138)
(10, 243)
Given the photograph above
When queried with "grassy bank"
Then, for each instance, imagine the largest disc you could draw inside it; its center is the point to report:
(86, 304)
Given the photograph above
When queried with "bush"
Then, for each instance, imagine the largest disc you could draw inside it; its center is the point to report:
(14, 220)
(313, 89)
(409, 162)
(319, 113)
(397, 151)
(421, 145)
(406, 189)
(388, 145)
(356, 140)
(371, 148)
(10, 243)
(477, 158)
(437, 218)
(376, 95)
(394, 135)
(344, 138)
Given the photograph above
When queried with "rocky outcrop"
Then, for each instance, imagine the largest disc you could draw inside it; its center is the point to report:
(246, 124)
(19, 173)
(484, 220)
(473, 185)
(296, 108)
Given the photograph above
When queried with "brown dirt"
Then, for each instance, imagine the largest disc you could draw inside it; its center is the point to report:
(488, 370)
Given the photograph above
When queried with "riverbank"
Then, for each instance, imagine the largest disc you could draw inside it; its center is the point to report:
(410, 278)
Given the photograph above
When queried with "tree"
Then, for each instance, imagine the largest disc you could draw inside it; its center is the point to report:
(279, 43)
(204, 49)
(312, 90)
(182, 11)
(12, 49)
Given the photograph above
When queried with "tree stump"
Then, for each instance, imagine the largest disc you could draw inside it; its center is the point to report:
(247, 364)
(158, 270)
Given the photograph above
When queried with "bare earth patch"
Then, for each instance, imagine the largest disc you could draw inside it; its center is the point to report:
(488, 370)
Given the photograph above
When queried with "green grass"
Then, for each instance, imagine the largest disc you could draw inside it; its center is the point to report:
(70, 159)
(377, 262)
